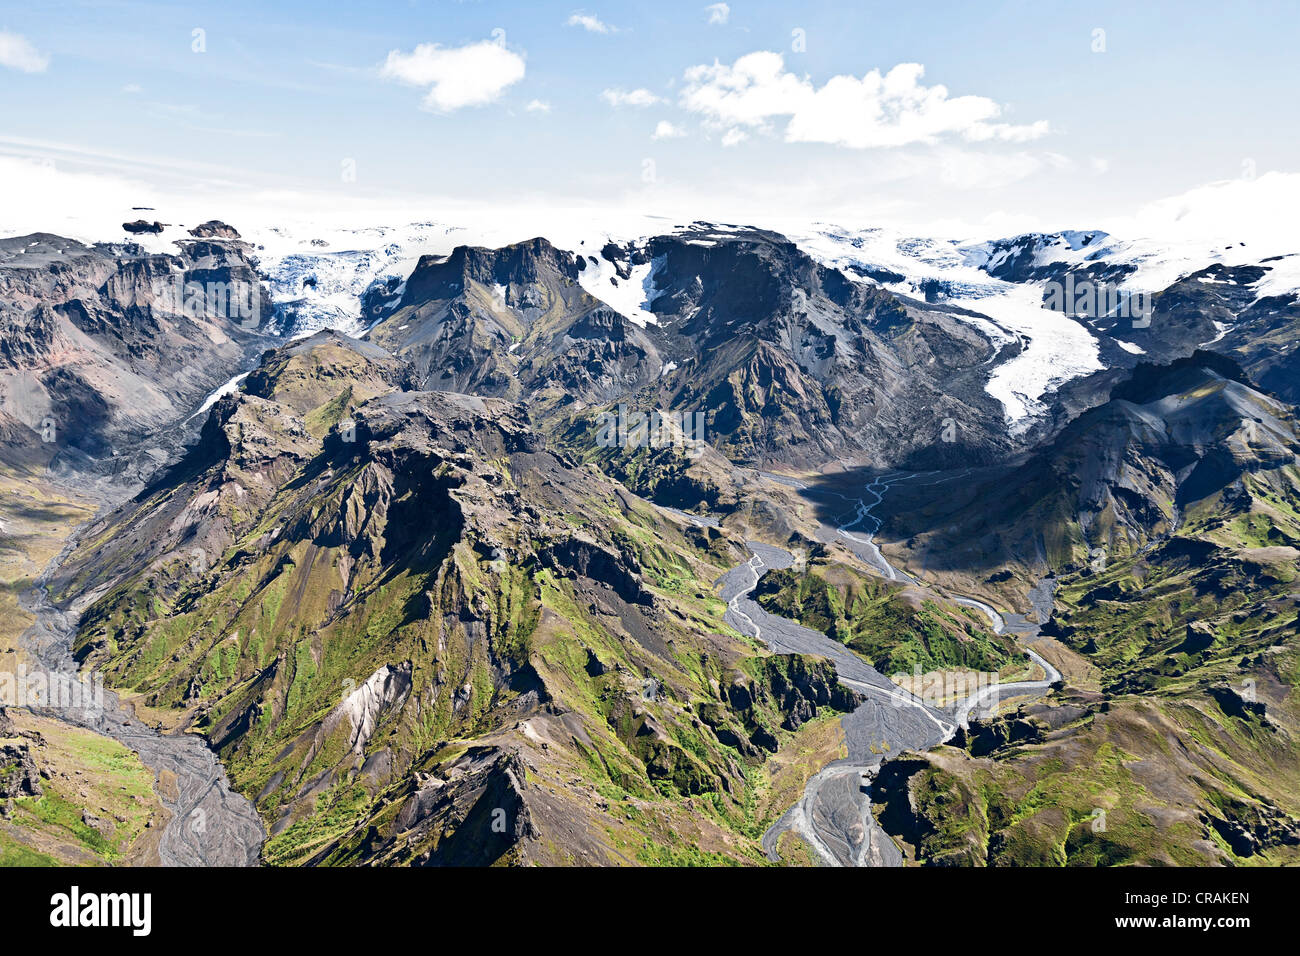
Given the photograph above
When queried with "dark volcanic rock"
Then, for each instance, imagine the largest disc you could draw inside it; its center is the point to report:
(101, 345)
(1252, 827)
(783, 359)
(792, 687)
(764, 738)
(1235, 704)
(214, 229)
(513, 322)
(983, 737)
(19, 776)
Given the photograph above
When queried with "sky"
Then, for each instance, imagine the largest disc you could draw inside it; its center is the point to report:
(967, 118)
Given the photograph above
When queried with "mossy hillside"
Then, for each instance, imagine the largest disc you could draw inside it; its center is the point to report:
(635, 750)
(1190, 753)
(671, 474)
(642, 755)
(875, 619)
(16, 854)
(450, 566)
(255, 661)
(87, 774)
(1145, 782)
(1198, 606)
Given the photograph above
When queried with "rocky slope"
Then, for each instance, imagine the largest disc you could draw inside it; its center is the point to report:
(425, 616)
(103, 345)
(1174, 441)
(786, 359)
(1170, 516)
(415, 634)
(514, 323)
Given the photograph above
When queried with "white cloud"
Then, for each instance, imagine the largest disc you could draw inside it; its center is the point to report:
(895, 109)
(666, 130)
(538, 106)
(17, 53)
(1006, 132)
(718, 13)
(591, 23)
(638, 97)
(132, 88)
(734, 136)
(470, 75)
(967, 169)
(1259, 211)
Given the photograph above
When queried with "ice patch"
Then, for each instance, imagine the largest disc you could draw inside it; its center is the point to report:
(229, 388)
(630, 297)
(1221, 328)
(321, 287)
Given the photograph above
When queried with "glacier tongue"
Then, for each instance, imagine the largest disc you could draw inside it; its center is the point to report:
(326, 283)
(1054, 347)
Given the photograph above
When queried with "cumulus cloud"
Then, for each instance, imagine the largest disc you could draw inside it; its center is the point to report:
(538, 106)
(875, 110)
(719, 13)
(17, 53)
(470, 75)
(591, 23)
(734, 136)
(638, 97)
(666, 130)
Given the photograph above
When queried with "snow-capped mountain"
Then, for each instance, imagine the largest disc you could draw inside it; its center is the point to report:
(1007, 282)
(343, 279)
(333, 277)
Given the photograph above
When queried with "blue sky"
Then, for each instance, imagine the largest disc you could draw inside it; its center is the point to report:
(1035, 124)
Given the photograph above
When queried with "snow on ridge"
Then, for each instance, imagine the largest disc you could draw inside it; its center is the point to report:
(349, 261)
(216, 394)
(317, 276)
(1055, 348)
(630, 297)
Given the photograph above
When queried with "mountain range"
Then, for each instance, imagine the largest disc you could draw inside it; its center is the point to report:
(351, 522)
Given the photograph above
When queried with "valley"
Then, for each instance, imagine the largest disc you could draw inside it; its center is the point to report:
(206, 823)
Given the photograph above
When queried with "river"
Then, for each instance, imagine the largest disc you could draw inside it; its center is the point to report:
(833, 815)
